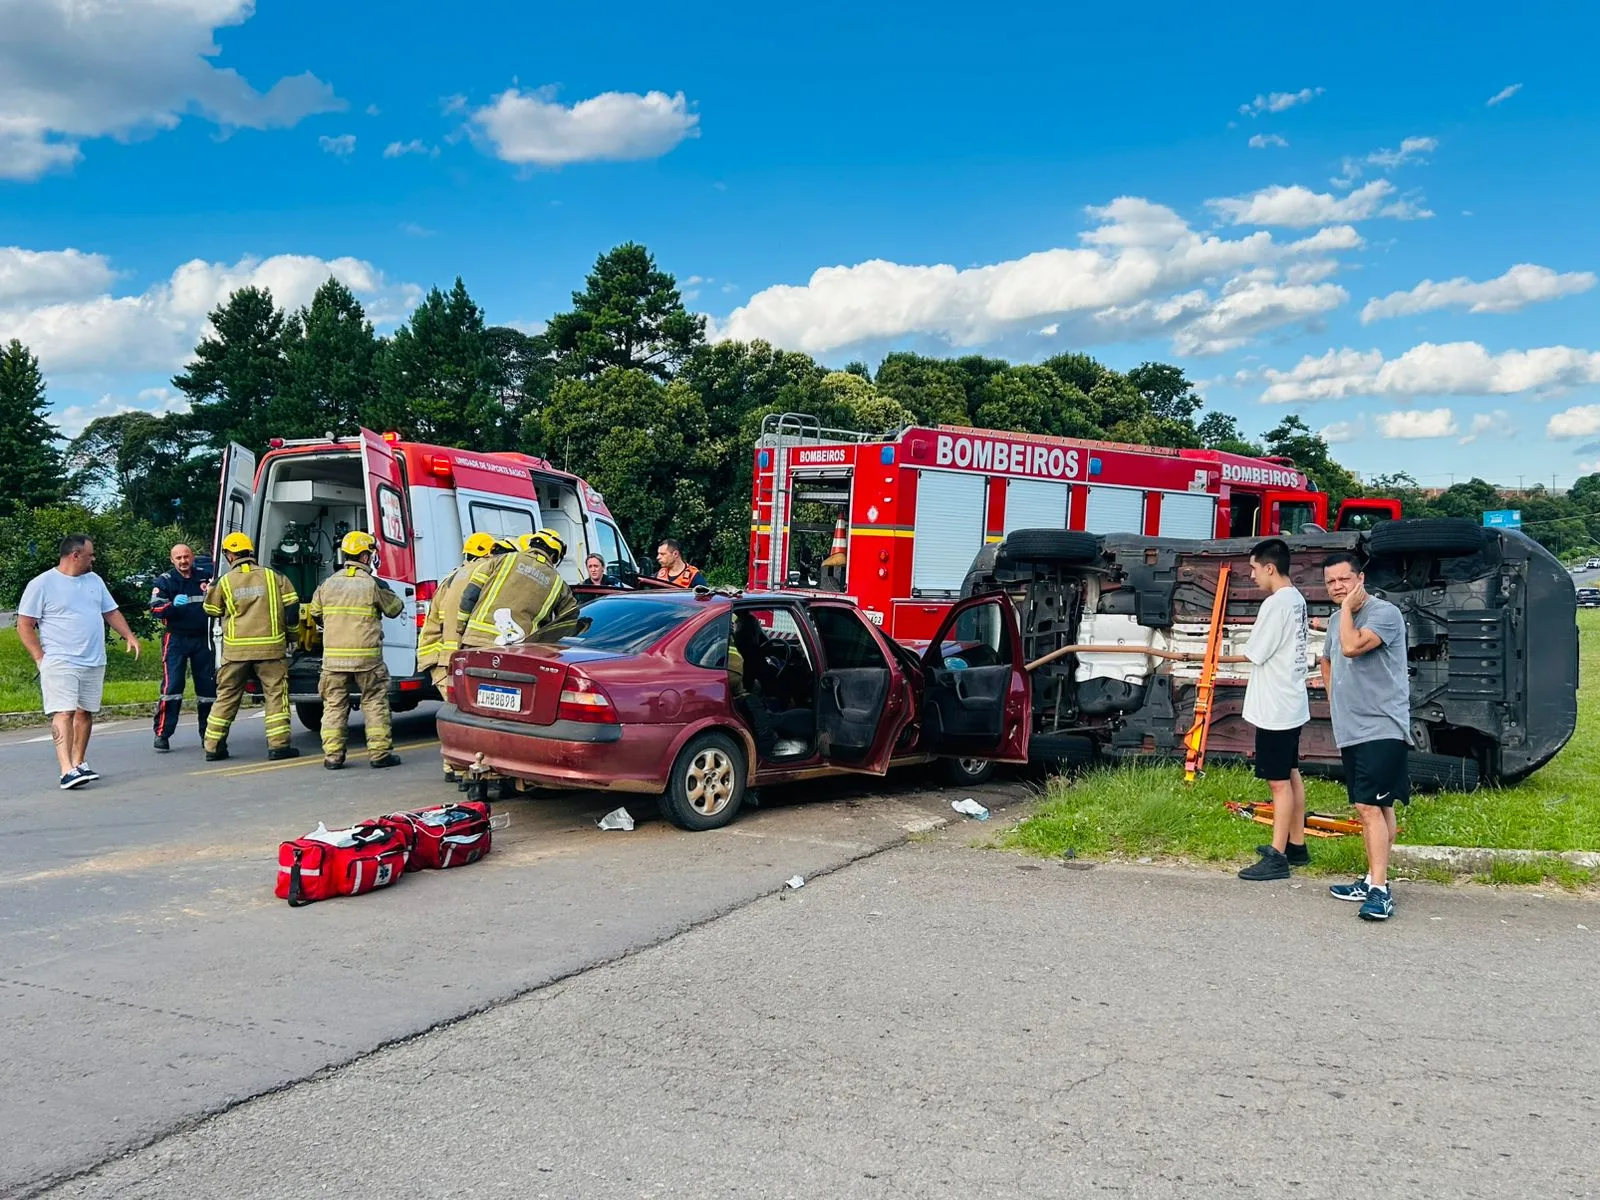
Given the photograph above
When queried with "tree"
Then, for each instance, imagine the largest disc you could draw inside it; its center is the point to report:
(523, 369)
(1293, 439)
(629, 314)
(34, 476)
(1166, 390)
(930, 388)
(329, 381)
(152, 467)
(437, 380)
(1220, 431)
(238, 371)
(1034, 400)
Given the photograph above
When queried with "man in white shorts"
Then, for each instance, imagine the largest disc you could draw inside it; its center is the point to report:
(61, 622)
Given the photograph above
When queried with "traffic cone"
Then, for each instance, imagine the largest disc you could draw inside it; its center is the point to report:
(836, 553)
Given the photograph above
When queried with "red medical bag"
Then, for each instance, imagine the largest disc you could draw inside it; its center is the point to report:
(340, 862)
(446, 835)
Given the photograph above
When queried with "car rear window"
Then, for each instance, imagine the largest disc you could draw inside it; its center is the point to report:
(619, 624)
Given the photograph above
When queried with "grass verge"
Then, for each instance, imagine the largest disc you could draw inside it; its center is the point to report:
(127, 681)
(1148, 811)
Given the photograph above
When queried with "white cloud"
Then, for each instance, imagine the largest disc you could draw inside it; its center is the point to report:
(1298, 207)
(41, 276)
(101, 334)
(1411, 150)
(1341, 432)
(1504, 94)
(1136, 273)
(414, 146)
(532, 128)
(1276, 102)
(1496, 425)
(1262, 140)
(72, 70)
(1522, 285)
(344, 145)
(1582, 421)
(1451, 369)
(1414, 423)
(72, 420)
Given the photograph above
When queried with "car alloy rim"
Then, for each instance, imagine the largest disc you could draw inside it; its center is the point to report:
(972, 766)
(709, 784)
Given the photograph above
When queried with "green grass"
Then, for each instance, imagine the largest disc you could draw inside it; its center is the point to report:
(127, 681)
(1148, 811)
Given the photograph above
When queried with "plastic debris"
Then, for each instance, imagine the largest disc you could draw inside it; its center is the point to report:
(617, 818)
(795, 882)
(1147, 860)
(971, 808)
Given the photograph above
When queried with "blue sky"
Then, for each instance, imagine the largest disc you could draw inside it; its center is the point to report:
(1017, 181)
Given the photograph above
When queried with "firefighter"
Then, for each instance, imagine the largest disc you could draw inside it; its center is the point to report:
(175, 601)
(350, 606)
(513, 596)
(435, 644)
(255, 605)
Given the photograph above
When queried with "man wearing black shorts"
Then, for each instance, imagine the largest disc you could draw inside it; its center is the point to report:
(1275, 703)
(1369, 693)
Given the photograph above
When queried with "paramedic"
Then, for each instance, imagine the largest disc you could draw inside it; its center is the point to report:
(186, 649)
(514, 596)
(350, 606)
(594, 570)
(674, 570)
(256, 607)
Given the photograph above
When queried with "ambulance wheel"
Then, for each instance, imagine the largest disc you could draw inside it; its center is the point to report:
(967, 772)
(706, 786)
(1051, 545)
(1428, 535)
(310, 715)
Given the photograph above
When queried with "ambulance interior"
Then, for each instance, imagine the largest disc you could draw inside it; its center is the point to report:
(308, 503)
(560, 510)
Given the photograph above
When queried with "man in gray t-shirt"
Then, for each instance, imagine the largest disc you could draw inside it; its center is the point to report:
(1368, 683)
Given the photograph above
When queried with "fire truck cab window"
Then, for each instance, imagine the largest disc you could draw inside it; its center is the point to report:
(1294, 516)
(1244, 519)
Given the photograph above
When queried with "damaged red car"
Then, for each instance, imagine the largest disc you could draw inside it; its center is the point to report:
(697, 697)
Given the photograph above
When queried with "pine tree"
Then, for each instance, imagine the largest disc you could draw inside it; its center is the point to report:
(35, 477)
(438, 379)
(329, 357)
(238, 371)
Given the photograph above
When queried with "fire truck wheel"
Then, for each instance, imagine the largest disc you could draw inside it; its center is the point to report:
(310, 715)
(706, 786)
(1428, 535)
(966, 772)
(1051, 545)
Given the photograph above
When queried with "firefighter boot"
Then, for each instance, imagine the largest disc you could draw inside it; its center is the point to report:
(281, 752)
(218, 752)
(387, 759)
(333, 762)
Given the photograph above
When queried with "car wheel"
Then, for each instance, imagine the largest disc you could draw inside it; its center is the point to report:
(1052, 545)
(1428, 535)
(310, 715)
(706, 787)
(1441, 773)
(966, 772)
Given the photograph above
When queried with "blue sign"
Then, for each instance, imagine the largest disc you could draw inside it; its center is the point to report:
(1503, 518)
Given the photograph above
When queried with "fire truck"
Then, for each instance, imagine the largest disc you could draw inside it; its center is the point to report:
(895, 521)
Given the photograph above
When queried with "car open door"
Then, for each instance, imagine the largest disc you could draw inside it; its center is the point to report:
(864, 699)
(236, 501)
(977, 699)
(1286, 513)
(396, 559)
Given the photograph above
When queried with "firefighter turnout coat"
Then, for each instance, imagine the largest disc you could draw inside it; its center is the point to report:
(510, 598)
(350, 606)
(440, 636)
(252, 604)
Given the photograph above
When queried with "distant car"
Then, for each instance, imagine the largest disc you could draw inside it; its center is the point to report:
(697, 696)
(1592, 564)
(1589, 597)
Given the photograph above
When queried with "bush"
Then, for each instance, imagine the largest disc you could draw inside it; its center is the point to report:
(128, 552)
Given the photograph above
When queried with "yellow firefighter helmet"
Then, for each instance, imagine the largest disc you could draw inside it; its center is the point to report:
(356, 543)
(546, 542)
(478, 545)
(238, 543)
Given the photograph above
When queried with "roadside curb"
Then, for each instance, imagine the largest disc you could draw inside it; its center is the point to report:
(1473, 860)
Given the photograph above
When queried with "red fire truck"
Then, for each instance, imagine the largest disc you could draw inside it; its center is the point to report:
(912, 510)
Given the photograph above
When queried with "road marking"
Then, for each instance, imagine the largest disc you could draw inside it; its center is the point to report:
(307, 760)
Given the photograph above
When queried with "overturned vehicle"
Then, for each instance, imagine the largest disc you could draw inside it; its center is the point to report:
(1492, 642)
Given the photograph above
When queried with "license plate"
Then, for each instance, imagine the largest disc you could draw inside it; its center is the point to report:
(507, 698)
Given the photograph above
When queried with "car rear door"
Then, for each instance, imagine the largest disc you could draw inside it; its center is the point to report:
(976, 699)
(236, 500)
(864, 701)
(396, 561)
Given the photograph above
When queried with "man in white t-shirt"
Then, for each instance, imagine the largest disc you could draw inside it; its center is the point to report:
(1275, 702)
(61, 622)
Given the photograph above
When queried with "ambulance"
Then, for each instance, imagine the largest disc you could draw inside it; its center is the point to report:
(419, 501)
(895, 522)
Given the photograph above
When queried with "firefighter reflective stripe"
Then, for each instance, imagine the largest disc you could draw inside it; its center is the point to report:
(347, 604)
(251, 601)
(440, 636)
(949, 529)
(492, 578)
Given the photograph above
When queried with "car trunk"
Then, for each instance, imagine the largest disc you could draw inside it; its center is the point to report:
(521, 683)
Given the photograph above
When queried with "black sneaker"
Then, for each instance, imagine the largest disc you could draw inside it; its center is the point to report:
(1271, 865)
(73, 779)
(385, 760)
(1298, 855)
(283, 752)
(162, 745)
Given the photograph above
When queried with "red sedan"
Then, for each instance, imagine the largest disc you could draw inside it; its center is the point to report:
(696, 697)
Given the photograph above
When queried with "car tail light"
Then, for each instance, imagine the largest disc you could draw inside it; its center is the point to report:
(253, 687)
(583, 700)
(426, 590)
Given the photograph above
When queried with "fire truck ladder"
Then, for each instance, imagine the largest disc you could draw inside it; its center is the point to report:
(1194, 760)
(781, 432)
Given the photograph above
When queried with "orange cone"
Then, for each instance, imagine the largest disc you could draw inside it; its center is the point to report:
(836, 553)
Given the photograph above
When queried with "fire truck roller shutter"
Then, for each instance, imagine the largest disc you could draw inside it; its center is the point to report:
(1188, 515)
(948, 530)
(1114, 510)
(1032, 504)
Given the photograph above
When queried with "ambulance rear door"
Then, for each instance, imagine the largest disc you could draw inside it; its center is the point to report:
(390, 523)
(236, 502)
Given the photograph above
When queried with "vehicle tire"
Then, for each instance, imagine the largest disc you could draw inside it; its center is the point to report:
(1441, 773)
(706, 786)
(966, 772)
(310, 715)
(1052, 545)
(1427, 535)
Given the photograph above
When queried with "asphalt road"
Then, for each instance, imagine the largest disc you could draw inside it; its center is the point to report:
(148, 977)
(940, 1022)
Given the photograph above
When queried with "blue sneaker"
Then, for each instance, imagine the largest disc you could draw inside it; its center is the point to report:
(1356, 891)
(88, 772)
(1379, 906)
(73, 779)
